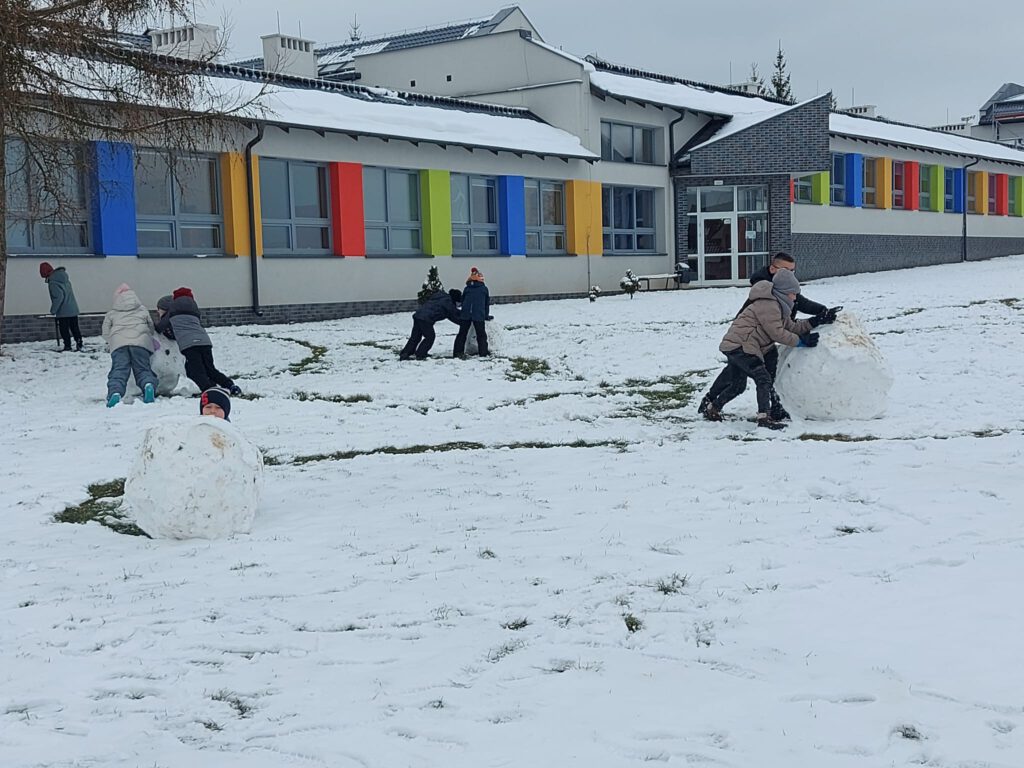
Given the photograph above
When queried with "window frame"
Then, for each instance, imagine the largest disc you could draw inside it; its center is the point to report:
(1011, 196)
(899, 185)
(33, 218)
(837, 189)
(472, 229)
(924, 186)
(294, 222)
(177, 220)
(971, 202)
(949, 190)
(543, 230)
(609, 231)
(993, 187)
(607, 142)
(390, 224)
(869, 167)
(803, 192)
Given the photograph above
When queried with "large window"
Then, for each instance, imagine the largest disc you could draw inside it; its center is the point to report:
(45, 206)
(622, 143)
(869, 193)
(993, 183)
(545, 217)
(838, 179)
(295, 207)
(973, 180)
(177, 203)
(627, 219)
(391, 203)
(899, 180)
(949, 204)
(924, 187)
(474, 214)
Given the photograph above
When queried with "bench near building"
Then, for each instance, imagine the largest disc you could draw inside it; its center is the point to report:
(480, 144)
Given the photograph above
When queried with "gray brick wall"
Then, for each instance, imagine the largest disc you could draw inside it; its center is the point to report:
(828, 255)
(779, 218)
(19, 328)
(796, 141)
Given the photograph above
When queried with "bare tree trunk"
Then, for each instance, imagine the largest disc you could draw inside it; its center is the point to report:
(3, 189)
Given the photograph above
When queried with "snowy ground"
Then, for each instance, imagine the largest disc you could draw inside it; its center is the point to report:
(802, 602)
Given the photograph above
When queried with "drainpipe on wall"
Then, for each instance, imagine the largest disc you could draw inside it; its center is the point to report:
(672, 142)
(671, 188)
(963, 250)
(251, 196)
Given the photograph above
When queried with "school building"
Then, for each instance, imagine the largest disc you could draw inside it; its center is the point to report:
(480, 144)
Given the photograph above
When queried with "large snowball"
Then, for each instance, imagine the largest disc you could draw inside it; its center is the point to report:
(194, 478)
(168, 365)
(494, 340)
(844, 377)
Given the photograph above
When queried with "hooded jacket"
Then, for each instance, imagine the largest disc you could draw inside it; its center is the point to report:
(62, 295)
(476, 301)
(762, 323)
(128, 324)
(802, 303)
(438, 307)
(184, 320)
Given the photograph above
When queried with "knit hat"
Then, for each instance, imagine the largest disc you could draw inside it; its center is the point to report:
(164, 303)
(216, 396)
(45, 269)
(122, 288)
(179, 292)
(784, 283)
(475, 275)
(455, 295)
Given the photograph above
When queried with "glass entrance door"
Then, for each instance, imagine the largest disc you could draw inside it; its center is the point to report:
(717, 251)
(728, 232)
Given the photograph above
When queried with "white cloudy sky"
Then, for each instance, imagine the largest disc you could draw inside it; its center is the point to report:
(918, 60)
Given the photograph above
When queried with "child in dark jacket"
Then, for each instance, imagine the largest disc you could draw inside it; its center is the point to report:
(63, 305)
(440, 306)
(476, 309)
(183, 319)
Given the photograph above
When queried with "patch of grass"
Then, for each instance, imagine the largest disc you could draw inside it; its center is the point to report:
(562, 620)
(375, 344)
(104, 507)
(849, 530)
(392, 450)
(211, 725)
(505, 649)
(836, 437)
(306, 397)
(248, 396)
(436, 704)
(486, 554)
(762, 588)
(664, 393)
(312, 363)
(672, 585)
(908, 732)
(633, 624)
(525, 367)
(234, 701)
(516, 624)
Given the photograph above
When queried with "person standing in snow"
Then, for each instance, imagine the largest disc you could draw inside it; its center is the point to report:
(63, 305)
(439, 306)
(216, 403)
(764, 320)
(783, 260)
(128, 331)
(184, 320)
(476, 310)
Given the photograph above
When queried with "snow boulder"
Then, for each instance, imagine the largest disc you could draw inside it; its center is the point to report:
(194, 478)
(168, 364)
(494, 340)
(844, 377)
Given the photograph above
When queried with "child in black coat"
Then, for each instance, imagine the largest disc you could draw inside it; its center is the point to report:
(476, 310)
(439, 306)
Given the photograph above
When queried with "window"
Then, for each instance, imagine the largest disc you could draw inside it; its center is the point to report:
(924, 187)
(177, 203)
(973, 180)
(46, 210)
(899, 177)
(751, 229)
(294, 206)
(802, 189)
(949, 204)
(869, 199)
(622, 143)
(1012, 196)
(627, 219)
(838, 181)
(391, 202)
(474, 214)
(993, 182)
(545, 217)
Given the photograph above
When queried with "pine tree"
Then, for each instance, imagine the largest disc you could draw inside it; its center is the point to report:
(757, 78)
(780, 77)
(430, 286)
(833, 101)
(354, 32)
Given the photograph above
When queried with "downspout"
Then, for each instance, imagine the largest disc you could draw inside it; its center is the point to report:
(672, 142)
(963, 251)
(672, 183)
(251, 196)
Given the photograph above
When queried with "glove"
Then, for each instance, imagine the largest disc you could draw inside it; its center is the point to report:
(808, 340)
(829, 315)
(490, 317)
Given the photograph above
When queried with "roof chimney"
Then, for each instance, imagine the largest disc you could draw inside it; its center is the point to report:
(288, 55)
(192, 41)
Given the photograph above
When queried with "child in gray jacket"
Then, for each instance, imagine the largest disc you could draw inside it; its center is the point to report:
(184, 320)
(128, 330)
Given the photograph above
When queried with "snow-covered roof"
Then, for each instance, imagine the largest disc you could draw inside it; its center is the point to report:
(746, 111)
(743, 120)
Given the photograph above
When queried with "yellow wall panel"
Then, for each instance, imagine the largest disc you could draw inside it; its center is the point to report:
(583, 225)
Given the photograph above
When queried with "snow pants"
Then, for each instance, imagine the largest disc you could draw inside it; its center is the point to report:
(463, 334)
(129, 360)
(420, 340)
(732, 381)
(68, 327)
(200, 368)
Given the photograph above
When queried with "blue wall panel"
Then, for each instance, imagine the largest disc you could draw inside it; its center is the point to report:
(112, 183)
(855, 180)
(512, 215)
(959, 191)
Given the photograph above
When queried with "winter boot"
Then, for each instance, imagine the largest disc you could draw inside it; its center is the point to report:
(778, 413)
(79, 346)
(149, 394)
(113, 400)
(767, 422)
(709, 410)
(404, 355)
(235, 390)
